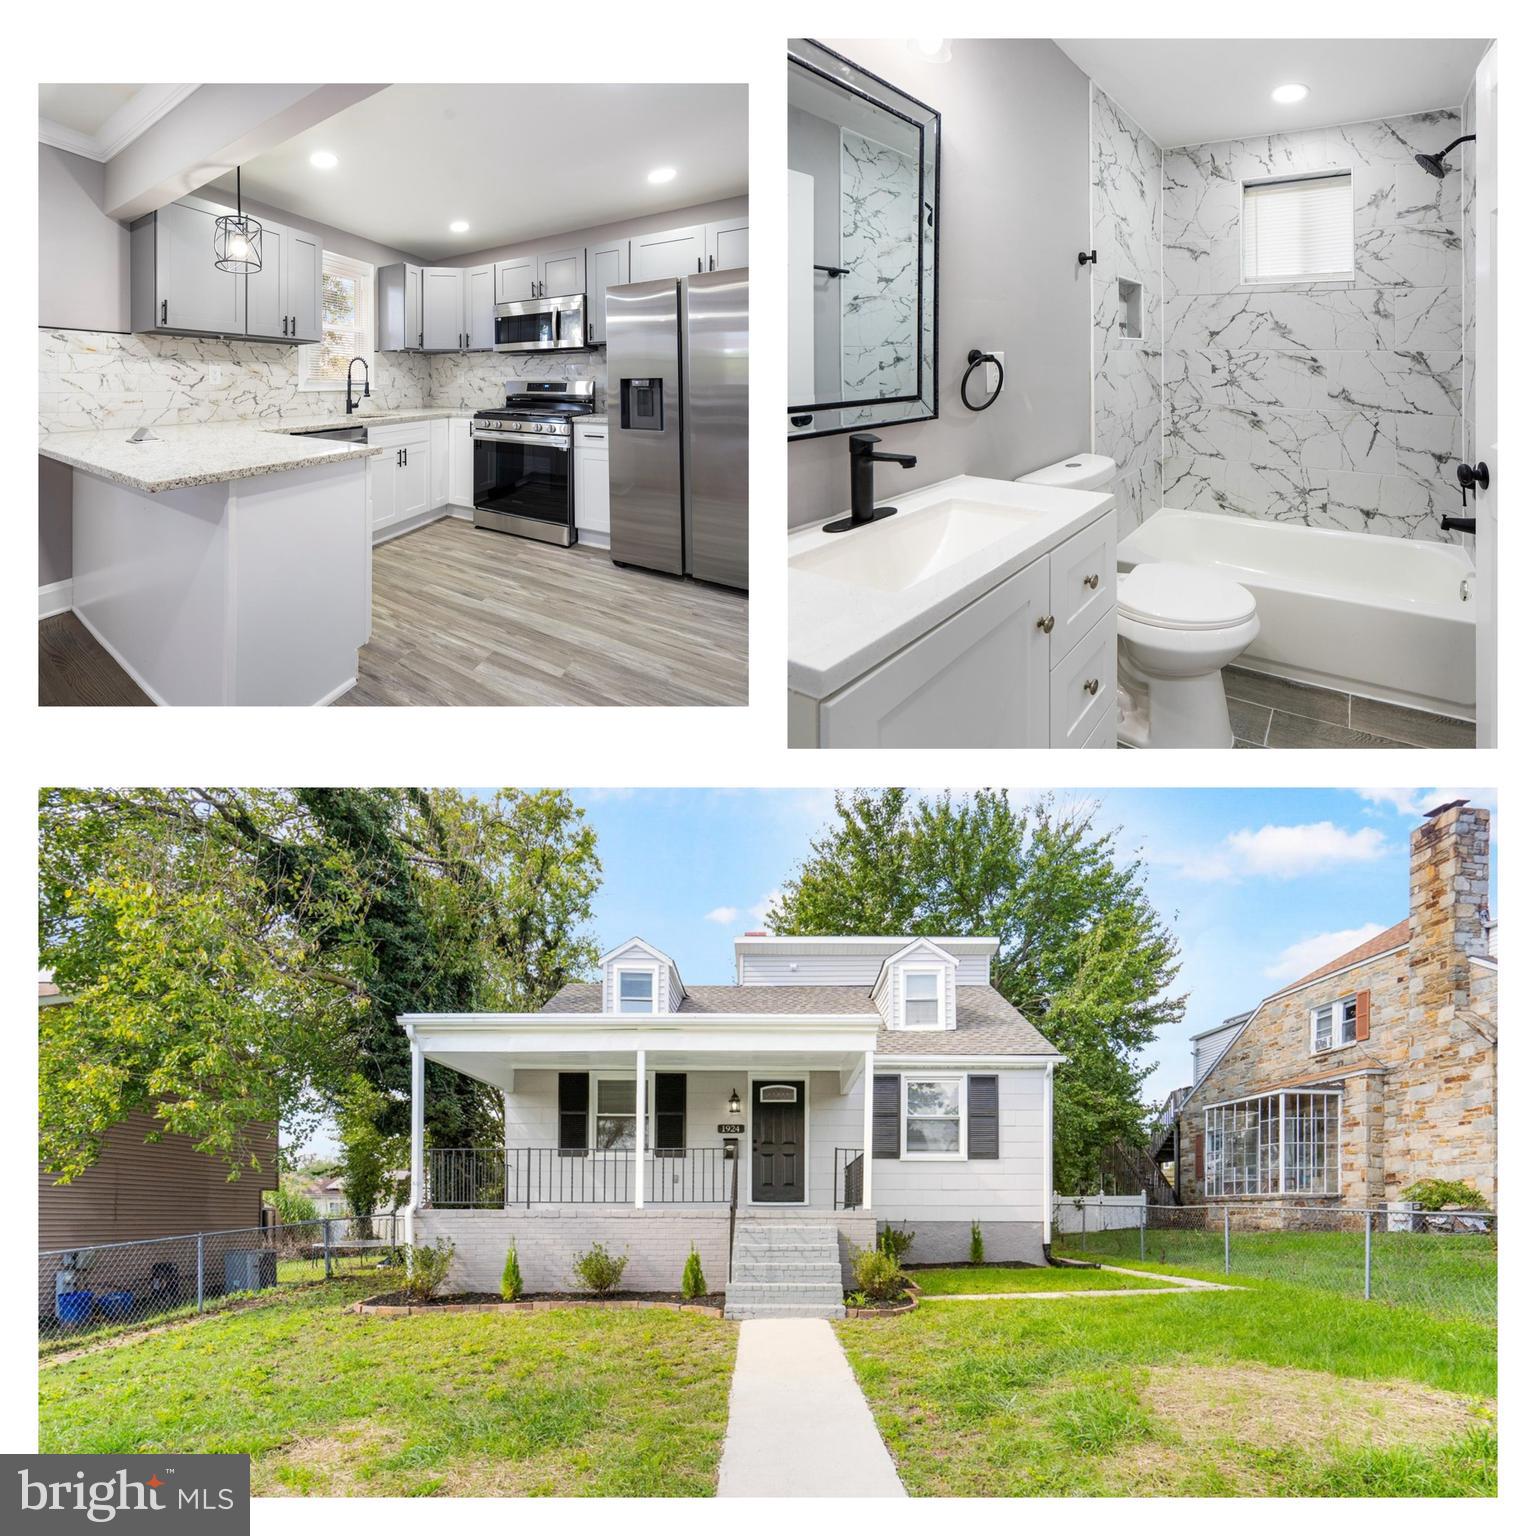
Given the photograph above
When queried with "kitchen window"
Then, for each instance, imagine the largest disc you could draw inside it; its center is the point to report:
(346, 324)
(613, 1114)
(933, 1117)
(1276, 1144)
(637, 992)
(919, 999)
(1334, 1024)
(1299, 229)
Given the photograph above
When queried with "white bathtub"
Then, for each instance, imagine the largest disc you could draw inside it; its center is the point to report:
(1382, 617)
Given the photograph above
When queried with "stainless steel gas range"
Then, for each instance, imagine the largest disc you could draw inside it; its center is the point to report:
(524, 480)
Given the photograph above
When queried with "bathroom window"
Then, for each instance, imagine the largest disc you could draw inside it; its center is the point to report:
(346, 323)
(1299, 230)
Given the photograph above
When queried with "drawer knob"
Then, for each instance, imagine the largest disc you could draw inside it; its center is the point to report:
(1092, 687)
(1092, 582)
(1048, 623)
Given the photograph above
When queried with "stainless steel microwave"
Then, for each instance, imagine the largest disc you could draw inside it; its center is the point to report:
(543, 325)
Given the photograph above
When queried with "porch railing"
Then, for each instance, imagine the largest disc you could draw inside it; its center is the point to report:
(847, 1178)
(489, 1178)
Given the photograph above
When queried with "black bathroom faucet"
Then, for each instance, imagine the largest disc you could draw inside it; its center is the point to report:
(862, 459)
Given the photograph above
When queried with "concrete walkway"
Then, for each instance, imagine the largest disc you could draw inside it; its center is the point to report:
(799, 1426)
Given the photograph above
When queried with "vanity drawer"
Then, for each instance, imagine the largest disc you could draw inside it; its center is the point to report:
(1084, 685)
(1082, 584)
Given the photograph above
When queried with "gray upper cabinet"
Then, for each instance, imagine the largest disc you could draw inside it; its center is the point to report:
(725, 245)
(442, 309)
(266, 292)
(562, 272)
(517, 279)
(303, 260)
(399, 324)
(480, 308)
(607, 267)
(667, 253)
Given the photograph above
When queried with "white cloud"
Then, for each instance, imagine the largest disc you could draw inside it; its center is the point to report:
(723, 915)
(1288, 851)
(759, 908)
(758, 911)
(1415, 802)
(1307, 955)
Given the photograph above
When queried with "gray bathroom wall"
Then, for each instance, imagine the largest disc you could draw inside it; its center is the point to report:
(1014, 196)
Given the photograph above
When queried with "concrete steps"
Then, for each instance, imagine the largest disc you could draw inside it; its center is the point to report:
(785, 1269)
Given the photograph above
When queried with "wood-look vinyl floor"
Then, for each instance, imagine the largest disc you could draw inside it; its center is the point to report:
(463, 616)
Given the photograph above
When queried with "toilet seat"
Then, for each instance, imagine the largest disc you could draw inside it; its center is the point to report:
(1169, 595)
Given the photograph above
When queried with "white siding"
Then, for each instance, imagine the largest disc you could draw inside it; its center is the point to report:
(637, 958)
(760, 969)
(1208, 1047)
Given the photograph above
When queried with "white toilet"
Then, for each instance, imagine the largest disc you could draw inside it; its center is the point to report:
(1179, 625)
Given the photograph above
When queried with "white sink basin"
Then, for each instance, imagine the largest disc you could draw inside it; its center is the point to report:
(896, 553)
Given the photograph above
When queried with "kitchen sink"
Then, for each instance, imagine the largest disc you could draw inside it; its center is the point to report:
(896, 553)
(335, 434)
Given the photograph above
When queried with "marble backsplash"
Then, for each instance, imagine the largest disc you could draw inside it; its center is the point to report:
(1127, 368)
(95, 379)
(1338, 405)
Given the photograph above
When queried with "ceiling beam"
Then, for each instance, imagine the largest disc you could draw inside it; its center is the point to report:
(217, 128)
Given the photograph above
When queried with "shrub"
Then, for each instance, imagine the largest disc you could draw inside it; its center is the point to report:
(424, 1268)
(857, 1299)
(693, 1276)
(599, 1270)
(876, 1274)
(978, 1246)
(292, 1207)
(1437, 1194)
(895, 1242)
(511, 1276)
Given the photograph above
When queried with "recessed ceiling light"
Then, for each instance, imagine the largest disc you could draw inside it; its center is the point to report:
(322, 160)
(934, 50)
(660, 174)
(459, 226)
(1286, 94)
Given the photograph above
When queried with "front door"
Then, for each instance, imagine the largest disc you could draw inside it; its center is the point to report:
(778, 1142)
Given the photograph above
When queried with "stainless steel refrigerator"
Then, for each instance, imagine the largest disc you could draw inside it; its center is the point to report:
(677, 425)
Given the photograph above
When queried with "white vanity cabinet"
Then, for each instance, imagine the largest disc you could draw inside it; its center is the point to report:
(591, 469)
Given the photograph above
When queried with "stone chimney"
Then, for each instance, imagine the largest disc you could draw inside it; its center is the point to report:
(1447, 911)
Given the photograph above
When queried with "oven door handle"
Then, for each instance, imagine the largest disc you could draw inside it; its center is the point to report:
(561, 443)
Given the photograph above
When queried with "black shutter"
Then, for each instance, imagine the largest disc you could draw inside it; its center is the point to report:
(671, 1133)
(981, 1106)
(574, 1088)
(887, 1105)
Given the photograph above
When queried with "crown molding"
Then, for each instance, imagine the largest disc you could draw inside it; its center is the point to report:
(136, 116)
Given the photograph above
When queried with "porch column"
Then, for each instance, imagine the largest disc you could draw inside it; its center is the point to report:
(868, 1180)
(640, 1146)
(418, 1124)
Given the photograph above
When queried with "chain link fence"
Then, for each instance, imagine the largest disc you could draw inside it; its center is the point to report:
(1441, 1261)
(83, 1293)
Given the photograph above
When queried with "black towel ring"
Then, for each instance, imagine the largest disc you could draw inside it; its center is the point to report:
(976, 358)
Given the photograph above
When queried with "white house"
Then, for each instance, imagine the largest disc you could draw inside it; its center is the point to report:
(840, 1084)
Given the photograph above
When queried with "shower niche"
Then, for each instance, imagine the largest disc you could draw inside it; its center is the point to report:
(1128, 309)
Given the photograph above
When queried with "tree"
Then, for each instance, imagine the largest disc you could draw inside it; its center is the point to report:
(240, 955)
(1083, 954)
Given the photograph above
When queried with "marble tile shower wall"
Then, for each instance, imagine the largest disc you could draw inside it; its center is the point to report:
(1127, 370)
(107, 379)
(1337, 405)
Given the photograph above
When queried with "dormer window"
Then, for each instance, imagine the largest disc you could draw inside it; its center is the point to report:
(637, 992)
(920, 999)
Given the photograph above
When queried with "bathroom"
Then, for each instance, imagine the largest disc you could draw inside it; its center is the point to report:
(1180, 359)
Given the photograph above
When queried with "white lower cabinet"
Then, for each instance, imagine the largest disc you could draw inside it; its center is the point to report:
(1030, 663)
(437, 432)
(461, 462)
(400, 479)
(591, 470)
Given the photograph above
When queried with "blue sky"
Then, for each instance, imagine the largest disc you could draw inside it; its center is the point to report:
(1259, 885)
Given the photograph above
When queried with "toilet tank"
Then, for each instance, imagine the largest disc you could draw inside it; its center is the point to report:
(1082, 472)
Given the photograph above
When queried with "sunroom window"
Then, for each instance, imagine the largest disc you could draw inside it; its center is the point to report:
(1334, 1024)
(935, 1107)
(1276, 1144)
(637, 992)
(920, 999)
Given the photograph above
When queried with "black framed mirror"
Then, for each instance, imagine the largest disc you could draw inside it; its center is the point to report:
(863, 248)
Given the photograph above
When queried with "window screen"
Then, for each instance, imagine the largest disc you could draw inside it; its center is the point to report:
(1300, 230)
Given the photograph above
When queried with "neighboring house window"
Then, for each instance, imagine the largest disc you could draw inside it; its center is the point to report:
(346, 323)
(1333, 1024)
(637, 992)
(934, 1116)
(1276, 1144)
(920, 999)
(1299, 229)
(613, 1115)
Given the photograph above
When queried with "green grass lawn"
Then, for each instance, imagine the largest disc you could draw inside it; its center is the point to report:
(1457, 1275)
(562, 1402)
(1264, 1391)
(962, 1281)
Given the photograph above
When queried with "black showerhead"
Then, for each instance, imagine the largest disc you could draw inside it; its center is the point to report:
(1435, 164)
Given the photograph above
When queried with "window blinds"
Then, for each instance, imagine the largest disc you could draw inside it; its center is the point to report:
(346, 319)
(1301, 230)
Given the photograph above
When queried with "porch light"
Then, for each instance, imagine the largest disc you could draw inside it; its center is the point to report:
(735, 1102)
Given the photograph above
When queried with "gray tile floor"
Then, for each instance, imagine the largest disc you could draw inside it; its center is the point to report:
(1271, 712)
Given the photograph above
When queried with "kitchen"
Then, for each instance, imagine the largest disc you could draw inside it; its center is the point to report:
(460, 420)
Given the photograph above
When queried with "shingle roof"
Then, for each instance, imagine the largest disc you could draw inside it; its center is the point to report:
(1388, 938)
(986, 1023)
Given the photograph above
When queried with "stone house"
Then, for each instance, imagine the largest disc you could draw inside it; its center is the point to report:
(1370, 1073)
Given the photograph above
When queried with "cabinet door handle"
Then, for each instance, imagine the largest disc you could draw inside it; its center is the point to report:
(701, 263)
(407, 463)
(1092, 582)
(397, 457)
(285, 325)
(590, 330)
(164, 305)
(1048, 623)
(1091, 688)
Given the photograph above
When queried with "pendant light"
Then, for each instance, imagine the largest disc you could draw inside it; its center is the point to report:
(237, 239)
